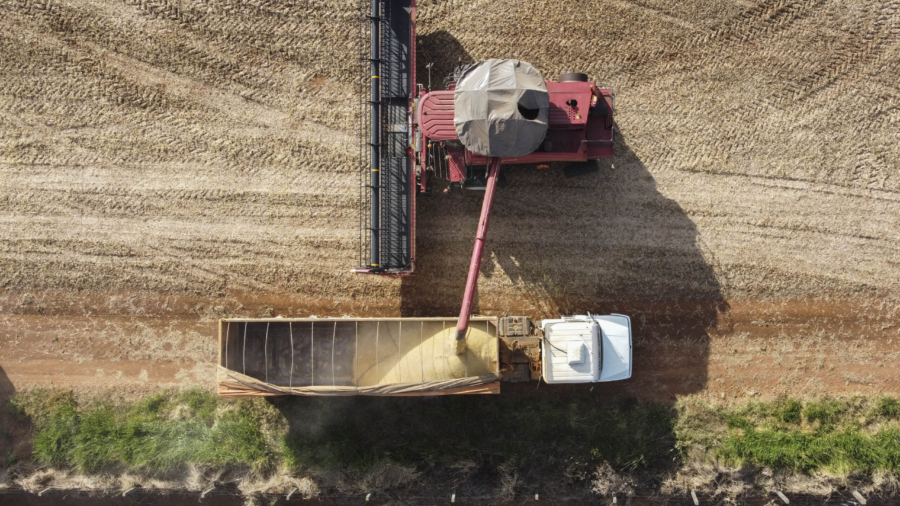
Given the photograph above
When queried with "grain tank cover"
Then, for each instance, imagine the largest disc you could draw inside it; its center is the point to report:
(501, 108)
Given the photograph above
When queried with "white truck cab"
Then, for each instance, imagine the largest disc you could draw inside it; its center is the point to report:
(586, 348)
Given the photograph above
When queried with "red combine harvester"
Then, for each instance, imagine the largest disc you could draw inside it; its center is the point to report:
(570, 120)
(491, 113)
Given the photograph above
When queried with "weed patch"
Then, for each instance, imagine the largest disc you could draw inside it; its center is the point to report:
(887, 407)
(839, 436)
(161, 432)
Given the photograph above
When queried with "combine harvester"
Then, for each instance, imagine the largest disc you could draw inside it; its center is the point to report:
(492, 113)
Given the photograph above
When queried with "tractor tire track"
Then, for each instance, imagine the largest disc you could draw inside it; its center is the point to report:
(763, 20)
(866, 44)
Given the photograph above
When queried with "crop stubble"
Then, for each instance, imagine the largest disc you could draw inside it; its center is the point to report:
(163, 164)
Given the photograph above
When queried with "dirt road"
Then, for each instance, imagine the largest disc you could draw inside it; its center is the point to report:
(165, 163)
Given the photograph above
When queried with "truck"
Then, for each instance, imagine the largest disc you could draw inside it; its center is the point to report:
(416, 356)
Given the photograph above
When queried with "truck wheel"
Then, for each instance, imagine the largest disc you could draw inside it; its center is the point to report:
(573, 77)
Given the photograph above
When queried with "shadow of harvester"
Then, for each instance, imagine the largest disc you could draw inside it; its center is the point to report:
(473, 446)
(15, 428)
(607, 241)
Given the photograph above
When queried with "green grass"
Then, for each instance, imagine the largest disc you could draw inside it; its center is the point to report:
(827, 412)
(54, 442)
(887, 407)
(542, 439)
(161, 432)
(839, 452)
(547, 437)
(834, 435)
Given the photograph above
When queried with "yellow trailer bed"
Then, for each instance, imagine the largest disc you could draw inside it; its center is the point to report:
(356, 356)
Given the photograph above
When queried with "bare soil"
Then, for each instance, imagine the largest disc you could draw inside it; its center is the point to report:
(164, 164)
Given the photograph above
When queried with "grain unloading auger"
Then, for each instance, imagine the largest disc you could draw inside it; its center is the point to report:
(492, 113)
(502, 111)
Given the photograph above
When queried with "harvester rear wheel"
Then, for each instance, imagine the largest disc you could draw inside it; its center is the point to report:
(573, 77)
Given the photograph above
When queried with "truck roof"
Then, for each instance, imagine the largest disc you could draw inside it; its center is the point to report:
(586, 349)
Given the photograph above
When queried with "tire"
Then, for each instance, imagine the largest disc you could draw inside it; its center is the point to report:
(573, 77)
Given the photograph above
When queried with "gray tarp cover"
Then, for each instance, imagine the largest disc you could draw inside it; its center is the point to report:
(487, 106)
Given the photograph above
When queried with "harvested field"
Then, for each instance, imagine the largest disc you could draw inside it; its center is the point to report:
(164, 164)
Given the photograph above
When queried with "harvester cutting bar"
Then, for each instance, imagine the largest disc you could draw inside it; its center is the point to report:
(387, 210)
(375, 142)
(478, 251)
(397, 179)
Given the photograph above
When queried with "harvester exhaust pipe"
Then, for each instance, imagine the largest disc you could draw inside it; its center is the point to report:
(477, 252)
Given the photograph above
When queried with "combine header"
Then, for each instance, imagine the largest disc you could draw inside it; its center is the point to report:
(387, 181)
(492, 113)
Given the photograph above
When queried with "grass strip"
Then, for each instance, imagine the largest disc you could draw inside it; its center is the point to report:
(838, 436)
(161, 432)
(543, 439)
